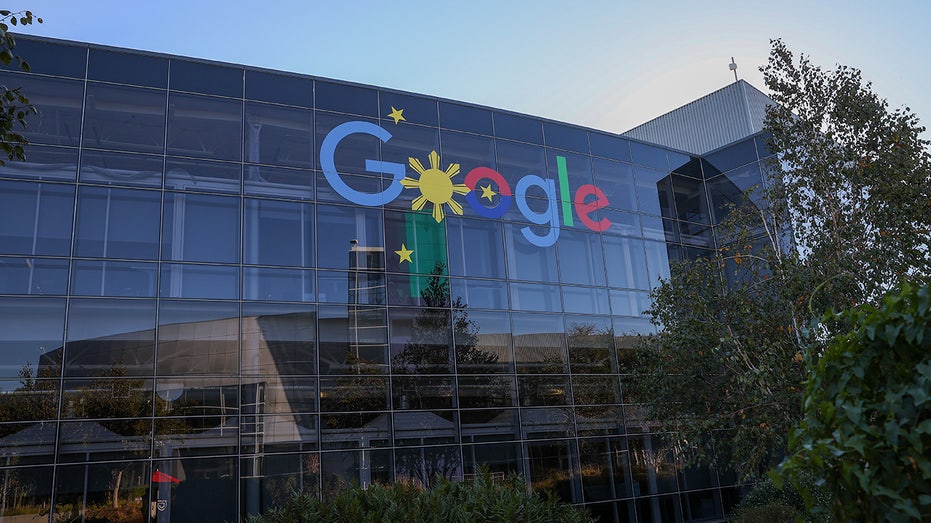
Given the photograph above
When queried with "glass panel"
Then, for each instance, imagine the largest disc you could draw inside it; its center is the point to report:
(111, 278)
(468, 151)
(199, 227)
(43, 163)
(267, 284)
(542, 391)
(195, 175)
(357, 287)
(585, 300)
(516, 160)
(277, 433)
(654, 192)
(527, 261)
(518, 128)
(482, 294)
(565, 137)
(51, 57)
(124, 118)
(539, 343)
(102, 492)
(476, 248)
(654, 466)
(206, 78)
(617, 181)
(198, 338)
(207, 493)
(31, 334)
(111, 400)
(278, 233)
(490, 424)
(279, 135)
(581, 259)
(261, 180)
(595, 390)
(26, 399)
(416, 243)
(685, 164)
(346, 99)
(591, 344)
(59, 103)
(269, 481)
(609, 146)
(535, 297)
(421, 341)
(199, 281)
(359, 393)
(732, 189)
(341, 469)
(423, 393)
(482, 342)
(411, 141)
(425, 464)
(605, 468)
(657, 262)
(30, 443)
(110, 337)
(691, 201)
(117, 223)
(415, 109)
(499, 459)
(33, 276)
(625, 262)
(648, 155)
(353, 340)
(127, 68)
(279, 88)
(464, 118)
(550, 467)
(204, 127)
(630, 303)
(486, 392)
(279, 339)
(733, 156)
(117, 168)
(353, 149)
(351, 238)
(35, 218)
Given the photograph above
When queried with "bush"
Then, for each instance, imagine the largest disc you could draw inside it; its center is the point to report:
(482, 500)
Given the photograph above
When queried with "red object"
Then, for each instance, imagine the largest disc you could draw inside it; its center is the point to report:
(160, 477)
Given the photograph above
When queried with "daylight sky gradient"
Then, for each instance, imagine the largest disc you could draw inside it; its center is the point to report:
(609, 65)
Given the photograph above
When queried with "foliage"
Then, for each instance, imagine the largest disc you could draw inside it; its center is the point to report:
(866, 430)
(842, 215)
(446, 501)
(766, 502)
(14, 105)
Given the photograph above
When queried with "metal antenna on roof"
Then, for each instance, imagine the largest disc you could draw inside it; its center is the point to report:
(733, 67)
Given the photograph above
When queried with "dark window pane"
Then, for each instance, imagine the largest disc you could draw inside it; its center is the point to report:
(111, 278)
(199, 227)
(198, 338)
(648, 155)
(421, 341)
(263, 180)
(35, 218)
(124, 118)
(268, 284)
(565, 137)
(278, 233)
(117, 223)
(543, 391)
(518, 128)
(279, 88)
(353, 150)
(44, 163)
(420, 393)
(735, 188)
(411, 141)
(51, 57)
(609, 462)
(117, 168)
(609, 146)
(482, 342)
(350, 238)
(733, 156)
(31, 334)
(110, 337)
(127, 68)
(539, 343)
(516, 160)
(691, 201)
(346, 99)
(464, 118)
(476, 248)
(59, 104)
(654, 192)
(279, 339)
(206, 78)
(199, 281)
(414, 109)
(617, 181)
(279, 135)
(202, 176)
(33, 276)
(591, 345)
(685, 164)
(204, 127)
(353, 339)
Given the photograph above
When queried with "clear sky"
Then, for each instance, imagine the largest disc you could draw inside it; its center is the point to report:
(605, 64)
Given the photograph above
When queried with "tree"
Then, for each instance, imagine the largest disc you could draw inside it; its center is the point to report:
(866, 426)
(843, 215)
(14, 105)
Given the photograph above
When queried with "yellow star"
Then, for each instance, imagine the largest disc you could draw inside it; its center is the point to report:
(405, 254)
(487, 192)
(397, 115)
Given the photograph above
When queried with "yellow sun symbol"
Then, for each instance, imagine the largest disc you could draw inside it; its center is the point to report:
(435, 186)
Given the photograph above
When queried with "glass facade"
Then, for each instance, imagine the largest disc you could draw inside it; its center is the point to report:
(219, 284)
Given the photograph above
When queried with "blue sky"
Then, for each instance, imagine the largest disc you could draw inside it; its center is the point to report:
(604, 64)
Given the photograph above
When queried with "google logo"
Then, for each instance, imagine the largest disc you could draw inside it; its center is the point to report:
(437, 188)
